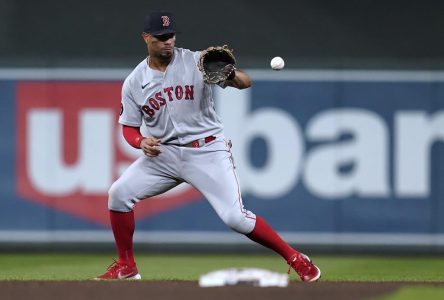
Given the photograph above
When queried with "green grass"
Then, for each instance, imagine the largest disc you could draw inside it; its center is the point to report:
(368, 268)
(28, 266)
(415, 293)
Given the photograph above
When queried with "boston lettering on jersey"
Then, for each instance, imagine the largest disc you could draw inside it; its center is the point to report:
(171, 93)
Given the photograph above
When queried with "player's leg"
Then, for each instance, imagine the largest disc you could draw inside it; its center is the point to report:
(211, 170)
(265, 235)
(146, 177)
(215, 177)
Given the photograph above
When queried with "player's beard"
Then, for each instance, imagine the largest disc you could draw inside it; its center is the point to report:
(165, 56)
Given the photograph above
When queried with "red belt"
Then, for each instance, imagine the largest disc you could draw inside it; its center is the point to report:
(200, 142)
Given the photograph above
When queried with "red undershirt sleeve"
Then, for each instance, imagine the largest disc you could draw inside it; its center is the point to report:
(132, 136)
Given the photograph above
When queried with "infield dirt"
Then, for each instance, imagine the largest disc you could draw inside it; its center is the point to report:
(184, 290)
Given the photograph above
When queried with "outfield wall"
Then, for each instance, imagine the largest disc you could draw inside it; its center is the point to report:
(329, 158)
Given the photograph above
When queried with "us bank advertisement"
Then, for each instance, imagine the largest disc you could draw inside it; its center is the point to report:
(319, 154)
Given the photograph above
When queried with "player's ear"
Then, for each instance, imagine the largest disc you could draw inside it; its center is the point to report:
(145, 37)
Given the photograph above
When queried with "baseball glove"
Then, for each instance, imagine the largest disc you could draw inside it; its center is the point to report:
(217, 64)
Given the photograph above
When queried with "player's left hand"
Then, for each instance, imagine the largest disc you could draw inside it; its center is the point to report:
(150, 146)
(229, 71)
(217, 64)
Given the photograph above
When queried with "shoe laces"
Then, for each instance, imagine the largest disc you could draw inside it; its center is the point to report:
(113, 266)
(298, 263)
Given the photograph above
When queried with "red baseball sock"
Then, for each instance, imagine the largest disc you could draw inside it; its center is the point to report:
(122, 224)
(266, 236)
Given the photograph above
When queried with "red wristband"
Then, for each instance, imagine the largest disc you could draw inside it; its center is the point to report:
(132, 136)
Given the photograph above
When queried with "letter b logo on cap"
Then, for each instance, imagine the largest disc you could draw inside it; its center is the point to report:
(166, 21)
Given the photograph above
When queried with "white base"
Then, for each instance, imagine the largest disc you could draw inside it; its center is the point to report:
(250, 276)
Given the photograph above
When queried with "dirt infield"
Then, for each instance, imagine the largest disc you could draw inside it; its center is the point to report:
(70, 290)
(67, 290)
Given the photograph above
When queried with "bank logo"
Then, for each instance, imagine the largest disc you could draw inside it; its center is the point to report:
(322, 141)
(70, 150)
(367, 143)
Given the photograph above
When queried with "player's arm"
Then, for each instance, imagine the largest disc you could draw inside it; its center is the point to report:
(131, 120)
(133, 136)
(238, 79)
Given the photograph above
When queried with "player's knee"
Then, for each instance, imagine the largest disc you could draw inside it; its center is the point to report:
(238, 221)
(118, 199)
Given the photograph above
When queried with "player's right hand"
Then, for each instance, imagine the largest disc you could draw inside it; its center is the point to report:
(150, 146)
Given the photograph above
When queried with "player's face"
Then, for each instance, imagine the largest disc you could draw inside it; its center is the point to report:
(161, 46)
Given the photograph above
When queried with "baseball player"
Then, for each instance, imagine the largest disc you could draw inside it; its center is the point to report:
(186, 143)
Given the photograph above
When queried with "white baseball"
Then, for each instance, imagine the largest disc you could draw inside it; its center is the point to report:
(277, 63)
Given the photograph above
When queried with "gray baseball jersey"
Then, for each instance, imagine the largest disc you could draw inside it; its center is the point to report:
(177, 106)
